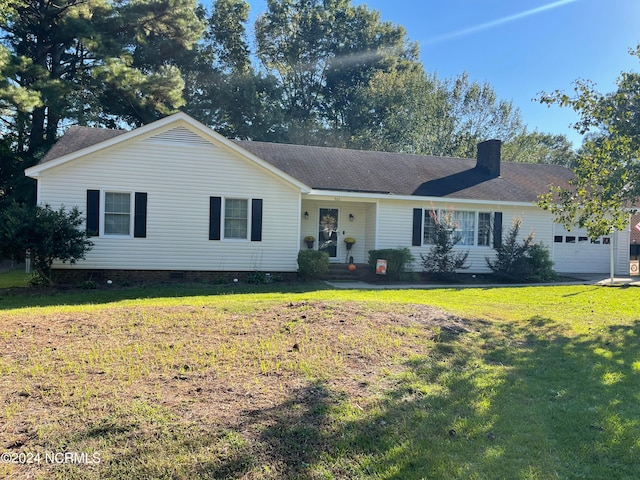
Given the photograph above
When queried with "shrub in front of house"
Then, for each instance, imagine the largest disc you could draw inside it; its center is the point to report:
(539, 264)
(522, 260)
(442, 259)
(45, 234)
(398, 262)
(312, 263)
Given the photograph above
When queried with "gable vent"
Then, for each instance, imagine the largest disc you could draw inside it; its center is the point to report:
(180, 136)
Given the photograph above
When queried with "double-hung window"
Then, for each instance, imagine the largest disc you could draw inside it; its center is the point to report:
(473, 228)
(117, 213)
(484, 229)
(235, 218)
(236, 215)
(465, 223)
(430, 220)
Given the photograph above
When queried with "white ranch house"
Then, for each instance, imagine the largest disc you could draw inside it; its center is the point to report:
(175, 197)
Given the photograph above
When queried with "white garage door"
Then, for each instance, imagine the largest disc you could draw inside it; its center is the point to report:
(573, 252)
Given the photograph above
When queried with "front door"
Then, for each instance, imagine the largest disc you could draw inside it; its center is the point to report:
(328, 232)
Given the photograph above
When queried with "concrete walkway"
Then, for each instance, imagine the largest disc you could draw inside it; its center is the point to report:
(581, 279)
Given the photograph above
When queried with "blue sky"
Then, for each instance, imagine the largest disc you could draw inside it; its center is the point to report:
(521, 47)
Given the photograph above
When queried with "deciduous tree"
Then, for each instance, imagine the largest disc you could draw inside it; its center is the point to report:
(322, 53)
(476, 114)
(607, 172)
(537, 147)
(223, 89)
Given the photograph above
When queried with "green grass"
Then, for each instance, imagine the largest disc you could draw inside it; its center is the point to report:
(14, 278)
(305, 382)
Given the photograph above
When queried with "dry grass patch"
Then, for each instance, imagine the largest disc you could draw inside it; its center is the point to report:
(186, 391)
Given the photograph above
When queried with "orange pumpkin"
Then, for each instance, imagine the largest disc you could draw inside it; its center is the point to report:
(351, 267)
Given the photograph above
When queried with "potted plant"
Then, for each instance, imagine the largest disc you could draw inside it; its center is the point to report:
(350, 241)
(309, 239)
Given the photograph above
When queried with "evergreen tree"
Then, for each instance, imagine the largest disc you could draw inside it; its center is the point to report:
(94, 62)
(442, 258)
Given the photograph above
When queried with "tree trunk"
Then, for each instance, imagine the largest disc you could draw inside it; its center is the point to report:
(36, 136)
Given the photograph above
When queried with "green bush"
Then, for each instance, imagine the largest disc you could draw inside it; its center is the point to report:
(312, 264)
(398, 262)
(89, 285)
(522, 260)
(509, 260)
(539, 264)
(45, 233)
(36, 280)
(256, 278)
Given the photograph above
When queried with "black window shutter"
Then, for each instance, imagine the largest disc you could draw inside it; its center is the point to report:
(93, 213)
(256, 220)
(140, 218)
(417, 227)
(497, 229)
(215, 212)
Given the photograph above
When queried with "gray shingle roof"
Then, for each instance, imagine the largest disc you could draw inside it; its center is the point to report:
(325, 168)
(76, 138)
(403, 174)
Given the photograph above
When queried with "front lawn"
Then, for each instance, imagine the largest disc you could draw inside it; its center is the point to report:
(187, 382)
(14, 278)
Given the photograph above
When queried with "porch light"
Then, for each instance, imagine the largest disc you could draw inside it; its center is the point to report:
(351, 217)
(306, 215)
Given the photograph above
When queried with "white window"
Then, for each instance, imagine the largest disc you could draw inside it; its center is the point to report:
(465, 223)
(484, 229)
(474, 228)
(117, 213)
(429, 236)
(236, 217)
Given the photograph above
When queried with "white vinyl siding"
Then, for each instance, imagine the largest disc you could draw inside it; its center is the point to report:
(395, 225)
(179, 180)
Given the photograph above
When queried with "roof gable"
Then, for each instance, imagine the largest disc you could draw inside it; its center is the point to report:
(179, 128)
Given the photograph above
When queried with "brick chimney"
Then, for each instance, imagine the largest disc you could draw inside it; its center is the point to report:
(489, 157)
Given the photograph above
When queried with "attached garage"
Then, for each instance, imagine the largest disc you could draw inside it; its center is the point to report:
(574, 252)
